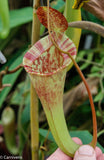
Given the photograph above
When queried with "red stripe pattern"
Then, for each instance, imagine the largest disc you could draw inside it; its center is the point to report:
(44, 58)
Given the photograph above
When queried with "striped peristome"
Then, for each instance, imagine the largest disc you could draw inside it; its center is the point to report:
(45, 59)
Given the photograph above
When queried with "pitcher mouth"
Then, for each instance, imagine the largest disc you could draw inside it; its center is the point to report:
(45, 59)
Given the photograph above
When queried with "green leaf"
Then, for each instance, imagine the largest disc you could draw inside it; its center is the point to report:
(98, 97)
(95, 69)
(11, 78)
(20, 16)
(94, 75)
(81, 54)
(42, 29)
(85, 136)
(25, 118)
(21, 93)
(87, 16)
(17, 95)
(98, 113)
(86, 64)
(59, 5)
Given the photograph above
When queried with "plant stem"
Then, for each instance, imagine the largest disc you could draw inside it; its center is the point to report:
(100, 133)
(99, 29)
(36, 23)
(34, 124)
(90, 62)
(34, 98)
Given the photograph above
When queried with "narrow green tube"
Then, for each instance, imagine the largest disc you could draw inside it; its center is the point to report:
(4, 14)
(8, 121)
(73, 15)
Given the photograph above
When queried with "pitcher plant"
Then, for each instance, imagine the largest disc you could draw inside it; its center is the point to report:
(47, 68)
(47, 62)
